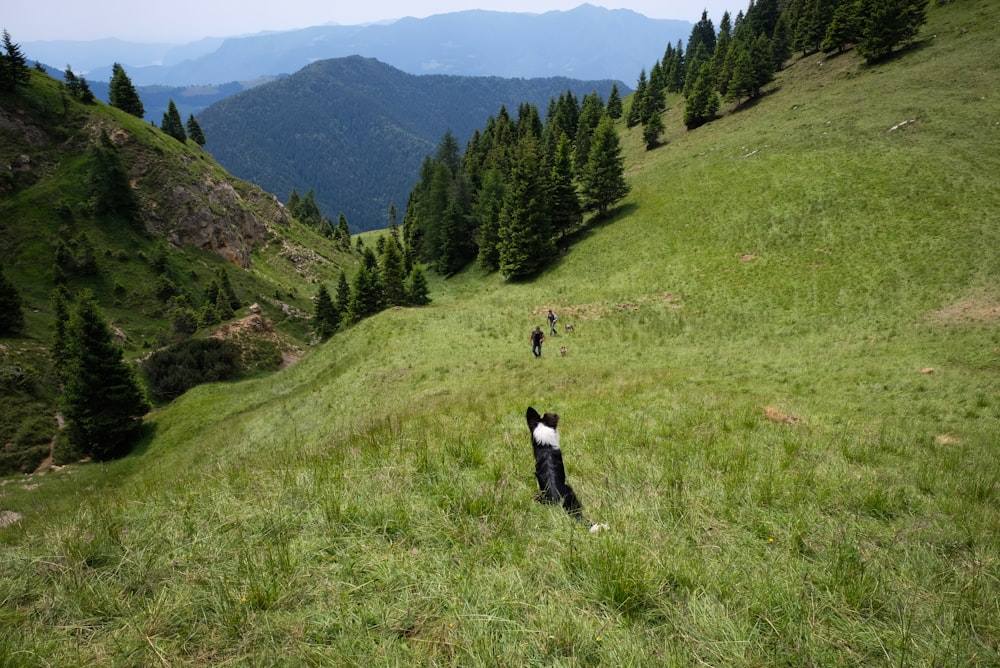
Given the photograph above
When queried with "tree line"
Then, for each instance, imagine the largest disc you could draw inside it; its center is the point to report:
(734, 63)
(521, 186)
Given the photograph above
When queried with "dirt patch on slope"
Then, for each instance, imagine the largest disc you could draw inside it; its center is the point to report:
(976, 309)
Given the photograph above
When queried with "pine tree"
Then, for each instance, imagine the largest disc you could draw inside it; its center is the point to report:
(14, 70)
(172, 123)
(102, 401)
(702, 102)
(634, 116)
(122, 94)
(526, 241)
(603, 181)
(194, 131)
(110, 186)
(417, 290)
(486, 210)
(393, 273)
(11, 311)
(60, 309)
(651, 131)
(327, 317)
(72, 82)
(614, 105)
(342, 299)
(564, 203)
(227, 293)
(889, 24)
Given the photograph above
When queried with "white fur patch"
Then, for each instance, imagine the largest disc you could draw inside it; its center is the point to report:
(546, 435)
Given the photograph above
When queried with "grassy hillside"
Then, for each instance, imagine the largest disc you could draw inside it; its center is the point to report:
(197, 221)
(780, 393)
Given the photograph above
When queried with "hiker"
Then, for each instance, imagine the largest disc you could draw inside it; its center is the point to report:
(536, 338)
(552, 317)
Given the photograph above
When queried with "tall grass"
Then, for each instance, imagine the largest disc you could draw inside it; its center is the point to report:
(780, 394)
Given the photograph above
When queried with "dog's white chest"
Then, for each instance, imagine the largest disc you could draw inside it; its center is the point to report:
(546, 435)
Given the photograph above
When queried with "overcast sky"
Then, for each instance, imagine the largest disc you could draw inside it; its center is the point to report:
(188, 20)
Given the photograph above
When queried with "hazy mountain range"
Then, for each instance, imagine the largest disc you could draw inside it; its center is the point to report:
(587, 43)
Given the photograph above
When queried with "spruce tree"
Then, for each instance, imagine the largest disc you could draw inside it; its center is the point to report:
(14, 70)
(122, 94)
(172, 123)
(614, 105)
(194, 131)
(603, 181)
(110, 186)
(486, 210)
(342, 299)
(102, 401)
(327, 318)
(702, 102)
(417, 290)
(889, 24)
(651, 130)
(11, 311)
(564, 203)
(393, 273)
(526, 241)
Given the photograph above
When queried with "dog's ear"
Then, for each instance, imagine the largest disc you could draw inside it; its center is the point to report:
(533, 418)
(550, 420)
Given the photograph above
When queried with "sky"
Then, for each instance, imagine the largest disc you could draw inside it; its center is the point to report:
(182, 21)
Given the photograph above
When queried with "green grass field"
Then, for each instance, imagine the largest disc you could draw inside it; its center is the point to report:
(781, 394)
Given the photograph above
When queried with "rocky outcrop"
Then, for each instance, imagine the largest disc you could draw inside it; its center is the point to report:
(213, 215)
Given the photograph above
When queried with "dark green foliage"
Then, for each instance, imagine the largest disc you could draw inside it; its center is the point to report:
(889, 24)
(78, 87)
(525, 238)
(393, 273)
(194, 131)
(11, 312)
(603, 182)
(102, 402)
(564, 202)
(342, 298)
(702, 102)
(175, 370)
(226, 291)
(60, 311)
(14, 70)
(844, 28)
(614, 105)
(326, 317)
(367, 292)
(417, 290)
(651, 131)
(638, 101)
(172, 124)
(486, 211)
(122, 93)
(110, 187)
(591, 113)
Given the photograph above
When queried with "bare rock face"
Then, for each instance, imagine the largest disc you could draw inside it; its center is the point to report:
(189, 201)
(214, 216)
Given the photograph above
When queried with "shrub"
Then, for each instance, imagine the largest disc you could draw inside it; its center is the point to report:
(174, 371)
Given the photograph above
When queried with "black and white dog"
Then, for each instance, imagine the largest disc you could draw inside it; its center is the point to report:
(549, 470)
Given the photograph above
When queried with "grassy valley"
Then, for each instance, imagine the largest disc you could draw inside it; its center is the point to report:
(780, 393)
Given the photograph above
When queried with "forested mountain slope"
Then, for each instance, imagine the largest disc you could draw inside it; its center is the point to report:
(356, 130)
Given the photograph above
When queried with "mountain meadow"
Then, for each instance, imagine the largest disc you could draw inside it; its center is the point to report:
(780, 393)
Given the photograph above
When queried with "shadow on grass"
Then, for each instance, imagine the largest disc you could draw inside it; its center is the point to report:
(567, 241)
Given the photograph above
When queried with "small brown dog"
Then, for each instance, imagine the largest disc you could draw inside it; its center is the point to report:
(569, 327)
(562, 351)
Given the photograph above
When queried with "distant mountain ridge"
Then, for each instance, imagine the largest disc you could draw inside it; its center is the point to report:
(587, 42)
(356, 130)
